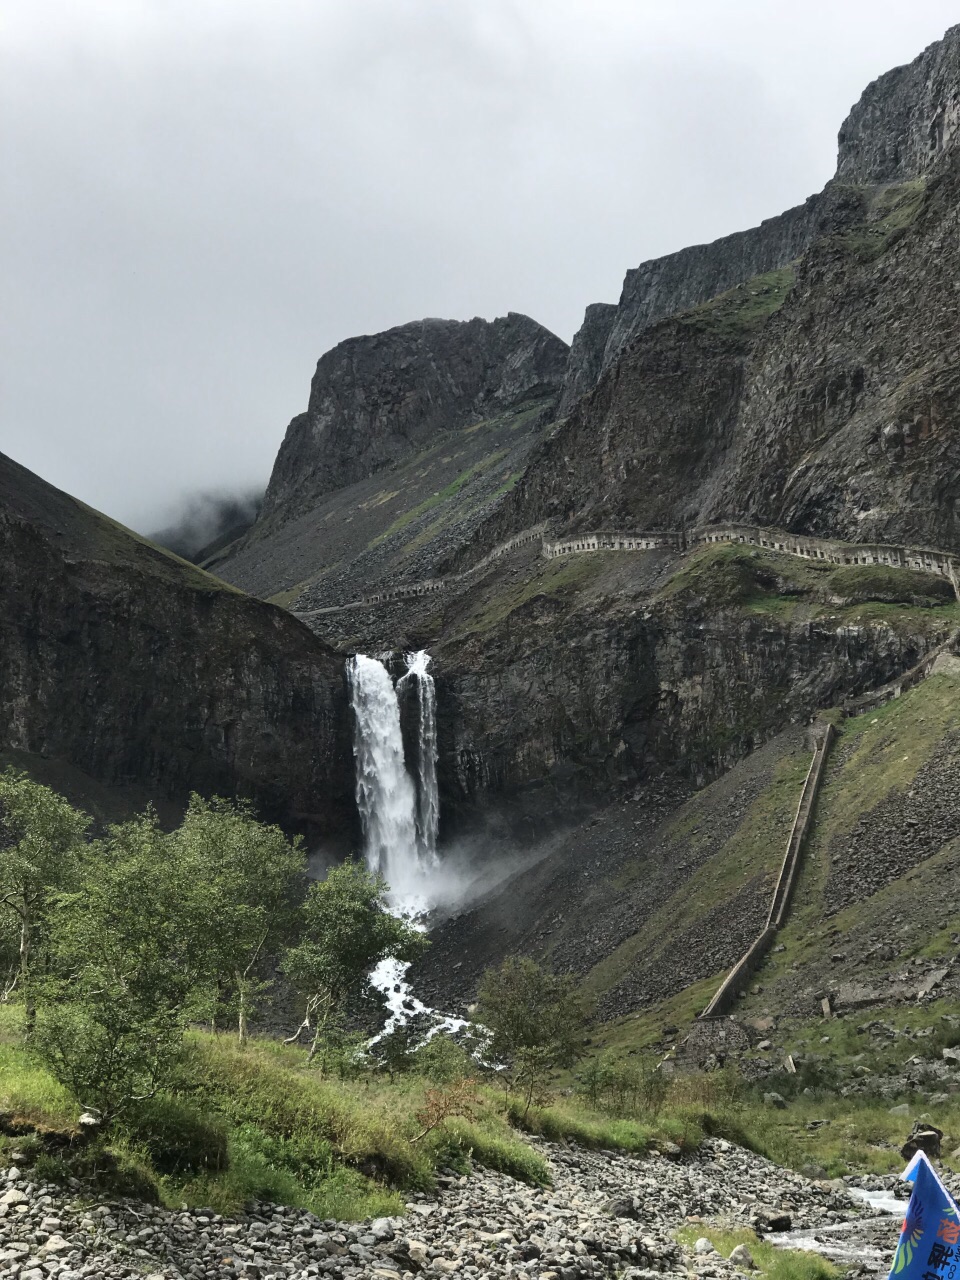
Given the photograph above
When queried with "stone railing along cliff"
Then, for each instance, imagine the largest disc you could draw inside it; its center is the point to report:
(942, 564)
(922, 559)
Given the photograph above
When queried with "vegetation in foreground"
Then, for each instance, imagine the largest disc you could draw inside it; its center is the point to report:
(119, 950)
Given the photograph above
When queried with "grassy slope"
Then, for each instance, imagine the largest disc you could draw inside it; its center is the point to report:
(283, 1132)
(391, 524)
(756, 850)
(752, 581)
(83, 534)
(875, 755)
(770, 583)
(261, 1125)
(762, 583)
(745, 307)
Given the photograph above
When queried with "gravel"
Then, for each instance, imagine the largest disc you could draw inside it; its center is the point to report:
(605, 1214)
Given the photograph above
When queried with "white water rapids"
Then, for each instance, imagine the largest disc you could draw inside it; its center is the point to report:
(399, 811)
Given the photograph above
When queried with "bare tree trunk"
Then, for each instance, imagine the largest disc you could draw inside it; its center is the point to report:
(242, 1021)
(313, 1045)
(30, 1009)
(323, 1016)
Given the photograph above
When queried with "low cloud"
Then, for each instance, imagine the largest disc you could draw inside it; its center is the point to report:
(204, 518)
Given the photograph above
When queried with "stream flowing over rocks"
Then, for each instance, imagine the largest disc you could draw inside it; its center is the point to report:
(605, 1214)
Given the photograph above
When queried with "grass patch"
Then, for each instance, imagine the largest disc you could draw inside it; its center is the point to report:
(442, 495)
(566, 1122)
(27, 1091)
(777, 586)
(555, 580)
(639, 1032)
(508, 485)
(894, 210)
(742, 310)
(854, 584)
(730, 574)
(773, 1263)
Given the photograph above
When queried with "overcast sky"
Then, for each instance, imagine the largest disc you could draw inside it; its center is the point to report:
(199, 197)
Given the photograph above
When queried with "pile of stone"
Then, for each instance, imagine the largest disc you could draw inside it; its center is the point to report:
(605, 1213)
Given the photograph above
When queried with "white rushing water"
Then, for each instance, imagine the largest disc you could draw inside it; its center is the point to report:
(420, 682)
(390, 977)
(399, 813)
(398, 843)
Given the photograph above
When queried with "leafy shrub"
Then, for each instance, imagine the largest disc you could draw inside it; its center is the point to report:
(624, 1085)
(442, 1060)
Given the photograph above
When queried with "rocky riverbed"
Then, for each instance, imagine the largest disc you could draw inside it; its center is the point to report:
(605, 1214)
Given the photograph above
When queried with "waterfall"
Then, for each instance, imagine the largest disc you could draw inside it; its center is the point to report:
(399, 816)
(428, 795)
(399, 811)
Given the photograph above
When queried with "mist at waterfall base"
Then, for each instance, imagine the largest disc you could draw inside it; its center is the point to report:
(398, 797)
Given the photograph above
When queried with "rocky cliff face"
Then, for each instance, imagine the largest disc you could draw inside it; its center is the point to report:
(681, 280)
(596, 680)
(819, 394)
(898, 131)
(905, 119)
(140, 670)
(824, 407)
(848, 419)
(585, 359)
(376, 400)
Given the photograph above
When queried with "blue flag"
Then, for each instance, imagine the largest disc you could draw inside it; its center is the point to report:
(929, 1247)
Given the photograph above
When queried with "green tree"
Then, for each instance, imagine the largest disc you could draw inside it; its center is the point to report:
(345, 931)
(126, 955)
(42, 838)
(535, 1020)
(243, 887)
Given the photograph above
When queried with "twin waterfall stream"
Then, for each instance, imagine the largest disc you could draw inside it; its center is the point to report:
(399, 814)
(399, 806)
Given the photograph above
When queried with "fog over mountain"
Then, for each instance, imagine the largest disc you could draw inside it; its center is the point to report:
(200, 198)
(204, 518)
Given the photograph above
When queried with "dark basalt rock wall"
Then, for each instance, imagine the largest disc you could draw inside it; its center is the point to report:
(552, 710)
(899, 130)
(585, 361)
(836, 415)
(664, 286)
(905, 119)
(375, 400)
(136, 668)
(634, 453)
(848, 423)
(682, 280)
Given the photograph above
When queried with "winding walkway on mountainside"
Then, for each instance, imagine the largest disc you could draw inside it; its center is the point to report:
(941, 564)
